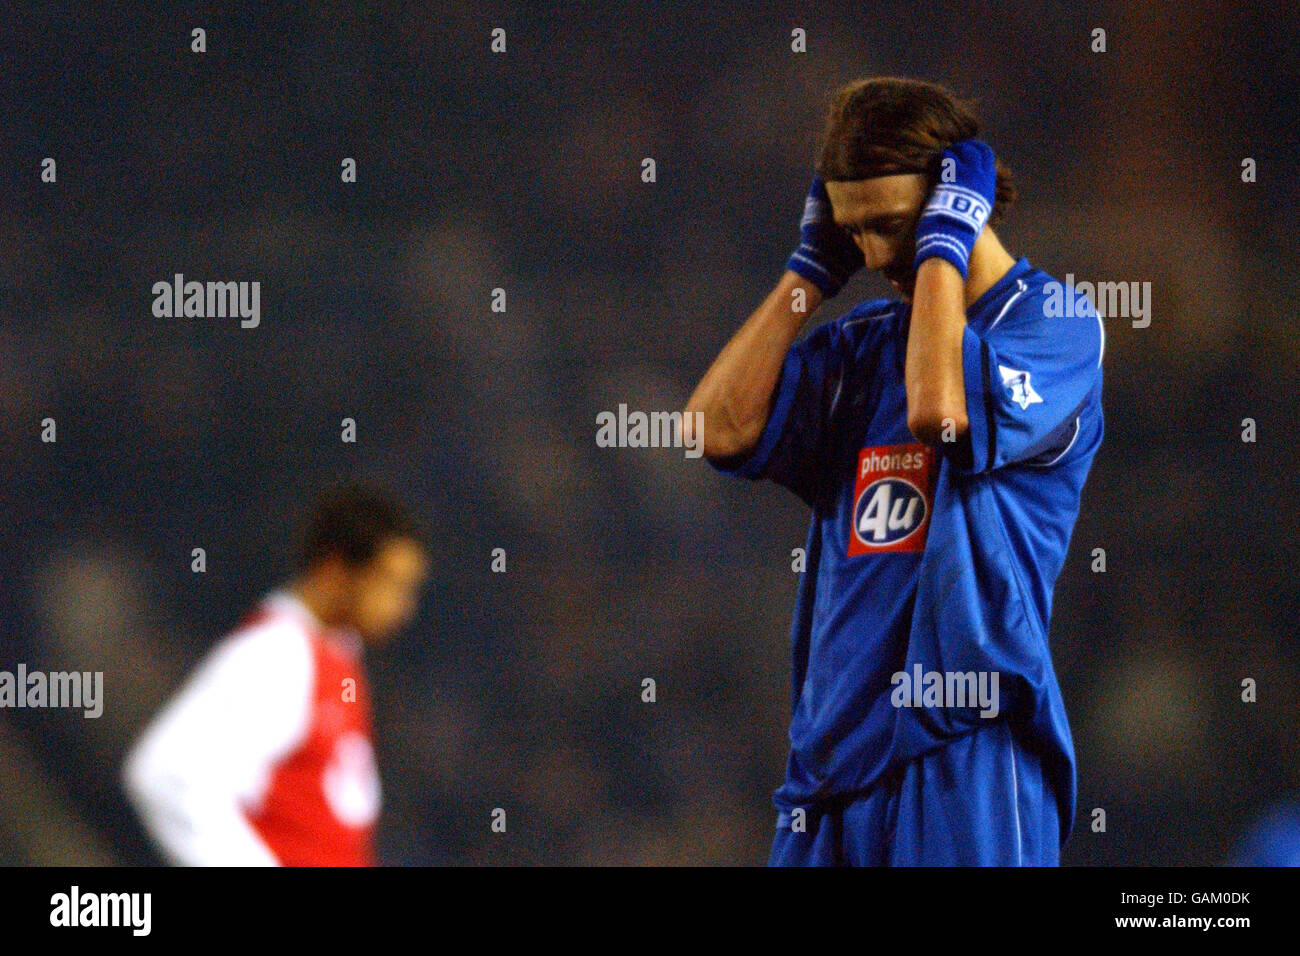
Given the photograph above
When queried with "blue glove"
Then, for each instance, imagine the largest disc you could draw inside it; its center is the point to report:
(827, 256)
(957, 210)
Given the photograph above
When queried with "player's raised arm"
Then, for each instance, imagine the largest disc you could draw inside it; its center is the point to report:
(946, 234)
(735, 395)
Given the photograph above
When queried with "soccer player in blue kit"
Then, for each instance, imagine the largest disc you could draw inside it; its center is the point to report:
(942, 440)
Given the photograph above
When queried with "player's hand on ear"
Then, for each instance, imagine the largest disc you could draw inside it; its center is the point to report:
(827, 256)
(958, 206)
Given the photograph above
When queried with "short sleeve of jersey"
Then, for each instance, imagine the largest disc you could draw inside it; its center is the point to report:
(796, 443)
(1028, 379)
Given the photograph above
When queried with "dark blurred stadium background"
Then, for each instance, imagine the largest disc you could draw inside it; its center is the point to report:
(522, 171)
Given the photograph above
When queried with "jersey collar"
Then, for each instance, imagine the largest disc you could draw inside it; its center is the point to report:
(284, 601)
(988, 306)
(984, 310)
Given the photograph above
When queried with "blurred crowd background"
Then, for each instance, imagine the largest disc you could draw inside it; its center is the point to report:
(522, 171)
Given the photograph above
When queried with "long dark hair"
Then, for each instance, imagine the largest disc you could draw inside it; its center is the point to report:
(885, 124)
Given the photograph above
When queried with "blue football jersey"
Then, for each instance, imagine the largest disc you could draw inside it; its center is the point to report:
(924, 559)
(1273, 839)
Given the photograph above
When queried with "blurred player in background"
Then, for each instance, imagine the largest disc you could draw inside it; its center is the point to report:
(942, 440)
(264, 755)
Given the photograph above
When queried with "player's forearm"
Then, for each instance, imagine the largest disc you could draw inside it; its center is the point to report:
(735, 395)
(936, 398)
(193, 821)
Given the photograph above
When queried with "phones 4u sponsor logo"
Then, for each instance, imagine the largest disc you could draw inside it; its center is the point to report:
(893, 496)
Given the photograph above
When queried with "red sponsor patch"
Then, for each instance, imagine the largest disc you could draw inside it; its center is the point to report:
(892, 499)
